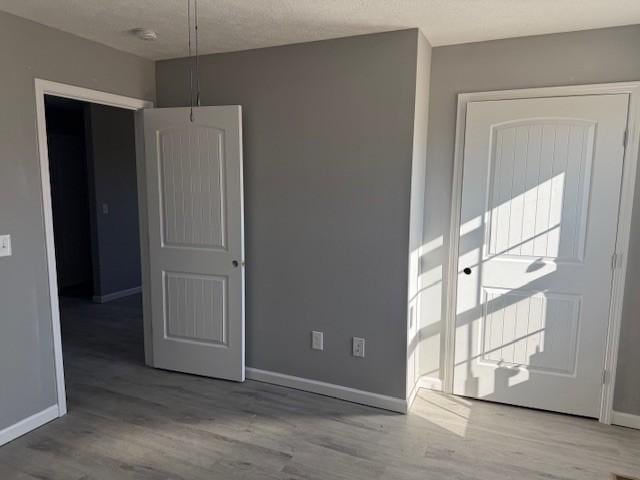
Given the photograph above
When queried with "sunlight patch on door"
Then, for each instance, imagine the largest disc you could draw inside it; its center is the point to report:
(534, 331)
(539, 183)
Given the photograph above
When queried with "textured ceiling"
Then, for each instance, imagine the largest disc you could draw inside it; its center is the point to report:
(227, 25)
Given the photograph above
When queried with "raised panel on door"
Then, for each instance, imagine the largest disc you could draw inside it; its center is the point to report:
(195, 308)
(539, 206)
(193, 187)
(537, 331)
(539, 181)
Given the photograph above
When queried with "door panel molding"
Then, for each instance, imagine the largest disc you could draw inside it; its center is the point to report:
(632, 138)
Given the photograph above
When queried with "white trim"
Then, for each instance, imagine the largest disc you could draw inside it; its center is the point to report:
(624, 220)
(331, 390)
(625, 419)
(412, 394)
(30, 423)
(115, 295)
(144, 238)
(428, 383)
(622, 250)
(42, 88)
(64, 90)
(449, 330)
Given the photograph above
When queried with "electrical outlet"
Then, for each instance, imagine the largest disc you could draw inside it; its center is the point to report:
(358, 347)
(105, 208)
(317, 340)
(5, 246)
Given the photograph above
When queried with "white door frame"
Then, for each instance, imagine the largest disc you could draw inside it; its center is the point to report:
(42, 88)
(624, 221)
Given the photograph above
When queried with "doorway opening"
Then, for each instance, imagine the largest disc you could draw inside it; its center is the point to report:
(94, 198)
(91, 191)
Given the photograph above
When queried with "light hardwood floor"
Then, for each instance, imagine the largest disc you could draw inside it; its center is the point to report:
(127, 421)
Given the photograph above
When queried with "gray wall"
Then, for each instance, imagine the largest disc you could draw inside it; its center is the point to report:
(29, 50)
(328, 132)
(596, 56)
(69, 195)
(112, 171)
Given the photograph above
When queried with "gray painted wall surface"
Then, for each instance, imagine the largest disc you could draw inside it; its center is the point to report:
(328, 132)
(116, 240)
(596, 56)
(27, 51)
(69, 195)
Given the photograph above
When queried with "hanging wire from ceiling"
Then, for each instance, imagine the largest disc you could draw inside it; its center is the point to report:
(195, 3)
(194, 60)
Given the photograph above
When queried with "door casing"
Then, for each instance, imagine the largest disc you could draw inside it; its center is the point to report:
(630, 160)
(46, 87)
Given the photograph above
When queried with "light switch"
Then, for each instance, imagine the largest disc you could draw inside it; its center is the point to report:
(358, 347)
(317, 340)
(5, 245)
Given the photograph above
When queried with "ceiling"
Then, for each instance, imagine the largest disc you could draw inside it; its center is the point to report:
(227, 25)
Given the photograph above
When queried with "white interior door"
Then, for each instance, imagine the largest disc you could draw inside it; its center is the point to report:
(195, 223)
(541, 187)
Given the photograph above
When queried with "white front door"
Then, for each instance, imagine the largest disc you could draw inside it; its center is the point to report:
(194, 206)
(541, 188)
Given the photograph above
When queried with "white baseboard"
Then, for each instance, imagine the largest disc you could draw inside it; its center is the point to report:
(115, 295)
(31, 423)
(412, 394)
(429, 383)
(625, 419)
(344, 393)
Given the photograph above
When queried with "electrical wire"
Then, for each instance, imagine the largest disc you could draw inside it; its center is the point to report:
(190, 67)
(195, 4)
(194, 61)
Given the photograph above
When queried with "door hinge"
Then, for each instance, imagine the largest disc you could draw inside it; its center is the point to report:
(614, 260)
(625, 137)
(605, 377)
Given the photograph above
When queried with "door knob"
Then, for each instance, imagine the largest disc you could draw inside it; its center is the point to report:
(467, 271)
(235, 263)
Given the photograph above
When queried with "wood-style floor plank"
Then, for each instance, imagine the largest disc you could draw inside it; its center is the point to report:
(130, 422)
